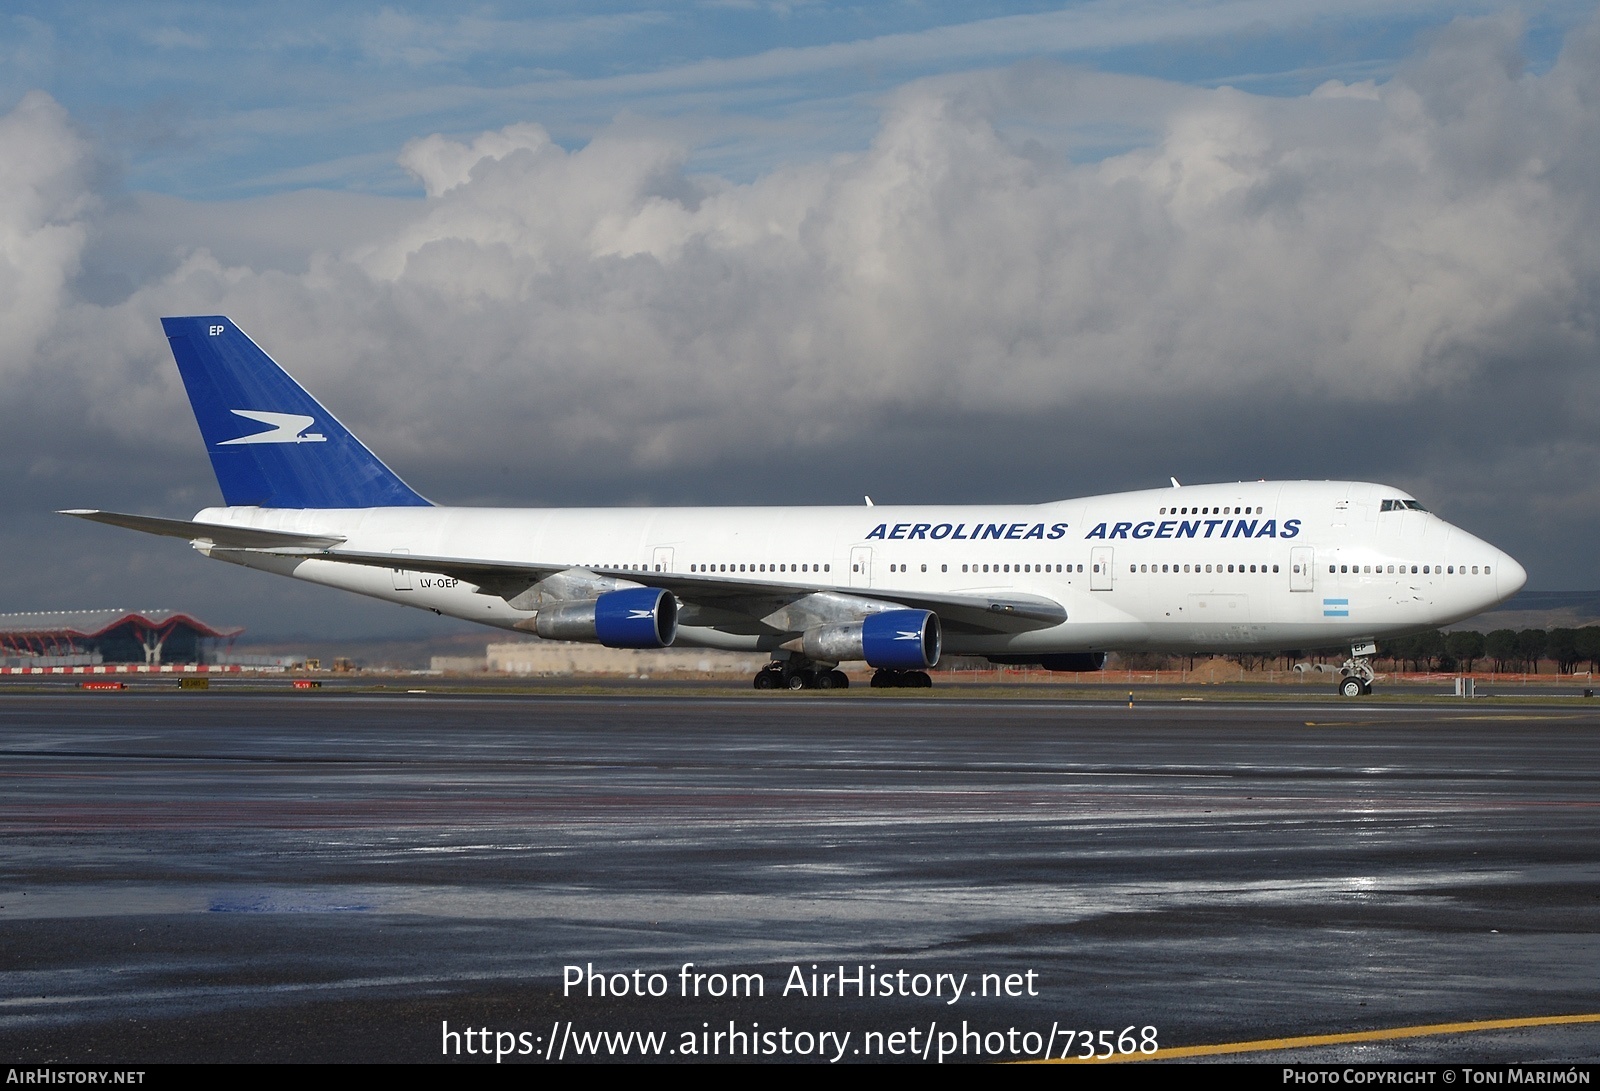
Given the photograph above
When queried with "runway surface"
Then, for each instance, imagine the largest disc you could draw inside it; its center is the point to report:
(341, 877)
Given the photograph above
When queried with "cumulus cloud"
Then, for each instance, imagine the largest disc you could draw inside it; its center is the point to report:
(1372, 244)
(46, 199)
(1396, 280)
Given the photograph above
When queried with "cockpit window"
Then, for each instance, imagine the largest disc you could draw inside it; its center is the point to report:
(1402, 505)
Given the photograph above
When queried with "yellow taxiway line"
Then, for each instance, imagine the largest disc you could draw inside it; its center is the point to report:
(1268, 1045)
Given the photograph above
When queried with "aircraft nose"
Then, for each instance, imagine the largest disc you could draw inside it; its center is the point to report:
(1509, 577)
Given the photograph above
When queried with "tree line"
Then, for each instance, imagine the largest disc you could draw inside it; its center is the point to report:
(1501, 651)
(1506, 649)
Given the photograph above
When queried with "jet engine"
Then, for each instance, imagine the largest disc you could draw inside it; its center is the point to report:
(895, 639)
(635, 617)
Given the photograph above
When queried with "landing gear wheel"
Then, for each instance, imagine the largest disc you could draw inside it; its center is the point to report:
(768, 679)
(1356, 674)
(832, 679)
(799, 680)
(885, 678)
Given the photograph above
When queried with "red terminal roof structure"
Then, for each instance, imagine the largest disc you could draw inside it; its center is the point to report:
(66, 632)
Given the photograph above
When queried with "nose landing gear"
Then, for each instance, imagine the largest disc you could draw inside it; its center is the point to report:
(1356, 674)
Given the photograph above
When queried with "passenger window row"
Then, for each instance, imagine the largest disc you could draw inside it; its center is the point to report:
(1335, 569)
(1426, 570)
(760, 568)
(1159, 568)
(1246, 510)
(895, 567)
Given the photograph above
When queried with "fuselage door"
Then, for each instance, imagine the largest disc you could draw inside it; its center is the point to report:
(662, 559)
(1301, 577)
(861, 566)
(1100, 568)
(402, 576)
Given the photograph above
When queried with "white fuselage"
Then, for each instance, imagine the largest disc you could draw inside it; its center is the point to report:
(1211, 567)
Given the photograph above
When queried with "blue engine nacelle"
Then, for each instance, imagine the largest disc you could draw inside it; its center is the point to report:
(896, 639)
(639, 617)
(901, 639)
(635, 617)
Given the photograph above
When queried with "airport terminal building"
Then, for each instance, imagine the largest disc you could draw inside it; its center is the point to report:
(89, 638)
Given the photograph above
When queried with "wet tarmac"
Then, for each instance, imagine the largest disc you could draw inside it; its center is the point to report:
(222, 876)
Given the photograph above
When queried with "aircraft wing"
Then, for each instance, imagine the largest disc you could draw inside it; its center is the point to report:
(987, 613)
(720, 594)
(754, 598)
(220, 535)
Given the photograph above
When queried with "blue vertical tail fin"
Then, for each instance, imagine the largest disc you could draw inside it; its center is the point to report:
(271, 444)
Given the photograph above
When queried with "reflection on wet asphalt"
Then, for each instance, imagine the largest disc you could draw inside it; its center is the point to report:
(222, 876)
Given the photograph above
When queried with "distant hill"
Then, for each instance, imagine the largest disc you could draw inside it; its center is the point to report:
(1540, 610)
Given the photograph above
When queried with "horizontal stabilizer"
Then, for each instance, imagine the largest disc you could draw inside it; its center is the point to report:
(218, 534)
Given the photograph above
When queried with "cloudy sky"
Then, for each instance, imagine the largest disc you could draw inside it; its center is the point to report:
(797, 252)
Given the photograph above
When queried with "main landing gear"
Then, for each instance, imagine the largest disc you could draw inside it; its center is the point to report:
(891, 679)
(791, 675)
(1356, 674)
(797, 673)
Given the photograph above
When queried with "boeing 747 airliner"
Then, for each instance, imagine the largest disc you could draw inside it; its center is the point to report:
(1265, 565)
